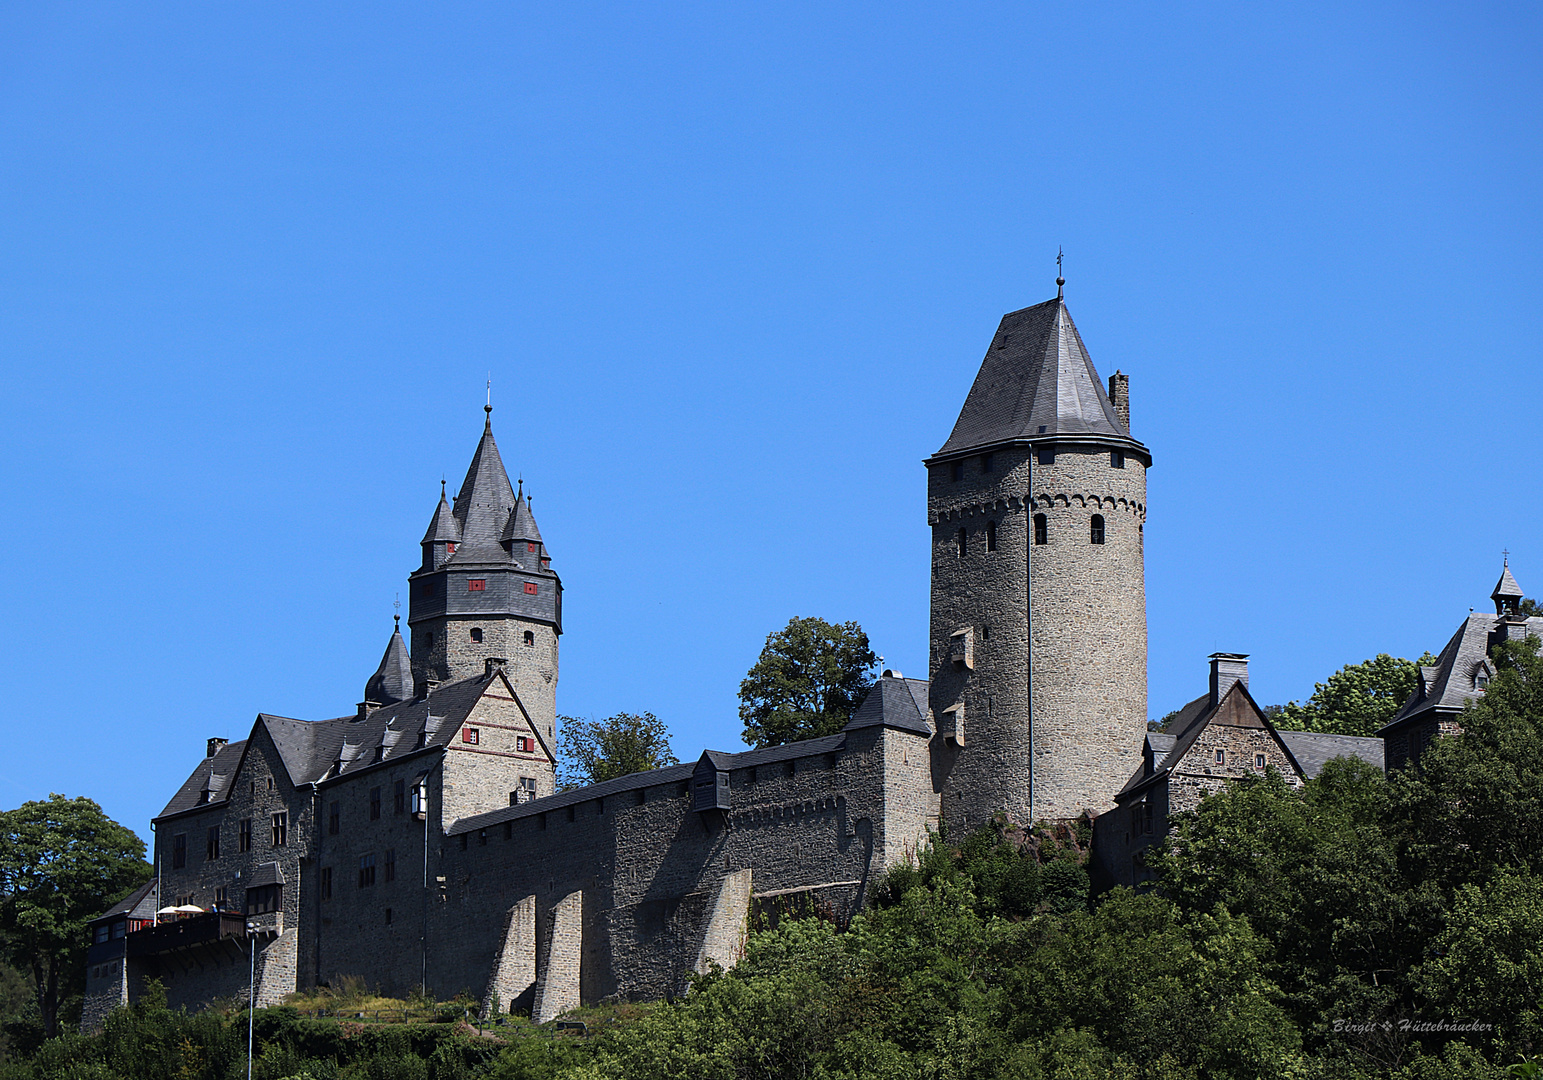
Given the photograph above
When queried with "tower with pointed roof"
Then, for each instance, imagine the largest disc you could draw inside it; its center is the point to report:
(1037, 503)
(486, 589)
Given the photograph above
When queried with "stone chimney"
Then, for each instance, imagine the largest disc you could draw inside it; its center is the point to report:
(1119, 397)
(214, 746)
(1226, 669)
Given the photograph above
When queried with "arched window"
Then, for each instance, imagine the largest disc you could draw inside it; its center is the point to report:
(991, 536)
(1041, 529)
(530, 639)
(964, 538)
(1098, 529)
(476, 633)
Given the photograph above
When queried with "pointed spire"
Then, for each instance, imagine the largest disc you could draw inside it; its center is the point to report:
(1508, 594)
(1037, 381)
(443, 526)
(393, 680)
(522, 523)
(485, 500)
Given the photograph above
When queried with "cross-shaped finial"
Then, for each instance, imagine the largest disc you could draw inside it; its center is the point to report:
(488, 408)
(1060, 280)
(398, 605)
(1505, 556)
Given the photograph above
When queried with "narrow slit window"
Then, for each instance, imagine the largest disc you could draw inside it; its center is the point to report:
(530, 639)
(991, 536)
(1097, 530)
(957, 471)
(964, 540)
(1041, 529)
(987, 462)
(1116, 459)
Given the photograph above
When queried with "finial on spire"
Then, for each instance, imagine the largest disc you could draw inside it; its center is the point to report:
(521, 493)
(1505, 558)
(398, 615)
(488, 408)
(1060, 282)
(441, 487)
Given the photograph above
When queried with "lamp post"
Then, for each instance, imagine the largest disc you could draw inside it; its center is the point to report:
(251, 995)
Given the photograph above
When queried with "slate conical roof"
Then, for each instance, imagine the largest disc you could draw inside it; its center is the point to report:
(443, 526)
(522, 524)
(1036, 382)
(393, 680)
(1506, 588)
(484, 502)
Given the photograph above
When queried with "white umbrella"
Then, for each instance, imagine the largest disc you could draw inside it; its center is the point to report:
(189, 909)
(168, 911)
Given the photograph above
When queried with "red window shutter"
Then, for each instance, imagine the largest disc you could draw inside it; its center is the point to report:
(529, 546)
(450, 549)
(469, 735)
(530, 588)
(477, 585)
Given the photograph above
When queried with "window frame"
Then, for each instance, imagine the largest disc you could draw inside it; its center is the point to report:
(279, 823)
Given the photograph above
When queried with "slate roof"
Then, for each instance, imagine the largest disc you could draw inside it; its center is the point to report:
(140, 904)
(894, 702)
(443, 525)
(393, 680)
(1313, 750)
(312, 749)
(1036, 382)
(673, 774)
(483, 504)
(1506, 588)
(1448, 685)
(522, 524)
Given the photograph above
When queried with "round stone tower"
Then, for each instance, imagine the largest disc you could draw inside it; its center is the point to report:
(1038, 640)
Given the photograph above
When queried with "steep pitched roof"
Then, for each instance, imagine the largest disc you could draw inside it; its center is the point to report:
(484, 503)
(140, 903)
(443, 526)
(1506, 588)
(393, 680)
(522, 524)
(209, 782)
(312, 749)
(1036, 382)
(894, 702)
(1449, 684)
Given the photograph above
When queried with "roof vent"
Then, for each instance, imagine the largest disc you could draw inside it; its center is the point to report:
(214, 746)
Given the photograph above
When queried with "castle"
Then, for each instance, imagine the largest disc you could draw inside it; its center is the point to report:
(421, 840)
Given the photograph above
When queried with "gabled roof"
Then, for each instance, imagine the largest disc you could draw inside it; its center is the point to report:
(766, 755)
(1448, 685)
(224, 763)
(312, 749)
(1314, 750)
(1036, 382)
(484, 503)
(894, 702)
(393, 680)
(1166, 750)
(140, 904)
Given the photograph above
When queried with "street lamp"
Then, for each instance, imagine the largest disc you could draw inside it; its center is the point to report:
(251, 995)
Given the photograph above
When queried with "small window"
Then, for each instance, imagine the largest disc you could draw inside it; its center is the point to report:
(428, 639)
(470, 736)
(463, 841)
(530, 546)
(334, 820)
(391, 864)
(264, 898)
(1116, 459)
(280, 829)
(102, 933)
(524, 743)
(388, 916)
(212, 844)
(1221, 757)
(987, 462)
(222, 899)
(1146, 817)
(1041, 530)
(1046, 455)
(374, 804)
(957, 470)
(270, 783)
(366, 871)
(530, 588)
(399, 797)
(1096, 531)
(508, 830)
(530, 639)
(963, 540)
(476, 634)
(179, 851)
(1259, 762)
(244, 835)
(482, 837)
(477, 585)
(991, 536)
(326, 883)
(450, 548)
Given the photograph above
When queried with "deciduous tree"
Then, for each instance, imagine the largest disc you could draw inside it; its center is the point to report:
(809, 679)
(1358, 698)
(593, 751)
(62, 862)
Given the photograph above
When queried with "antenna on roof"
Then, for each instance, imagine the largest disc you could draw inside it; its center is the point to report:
(1060, 281)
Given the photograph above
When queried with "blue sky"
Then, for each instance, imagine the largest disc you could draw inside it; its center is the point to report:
(733, 268)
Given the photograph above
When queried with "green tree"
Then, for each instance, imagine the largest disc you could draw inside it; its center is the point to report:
(592, 751)
(62, 862)
(1358, 698)
(809, 679)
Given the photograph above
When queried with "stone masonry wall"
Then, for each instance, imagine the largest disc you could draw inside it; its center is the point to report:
(1059, 626)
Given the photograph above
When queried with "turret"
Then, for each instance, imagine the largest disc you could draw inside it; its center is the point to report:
(443, 535)
(393, 680)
